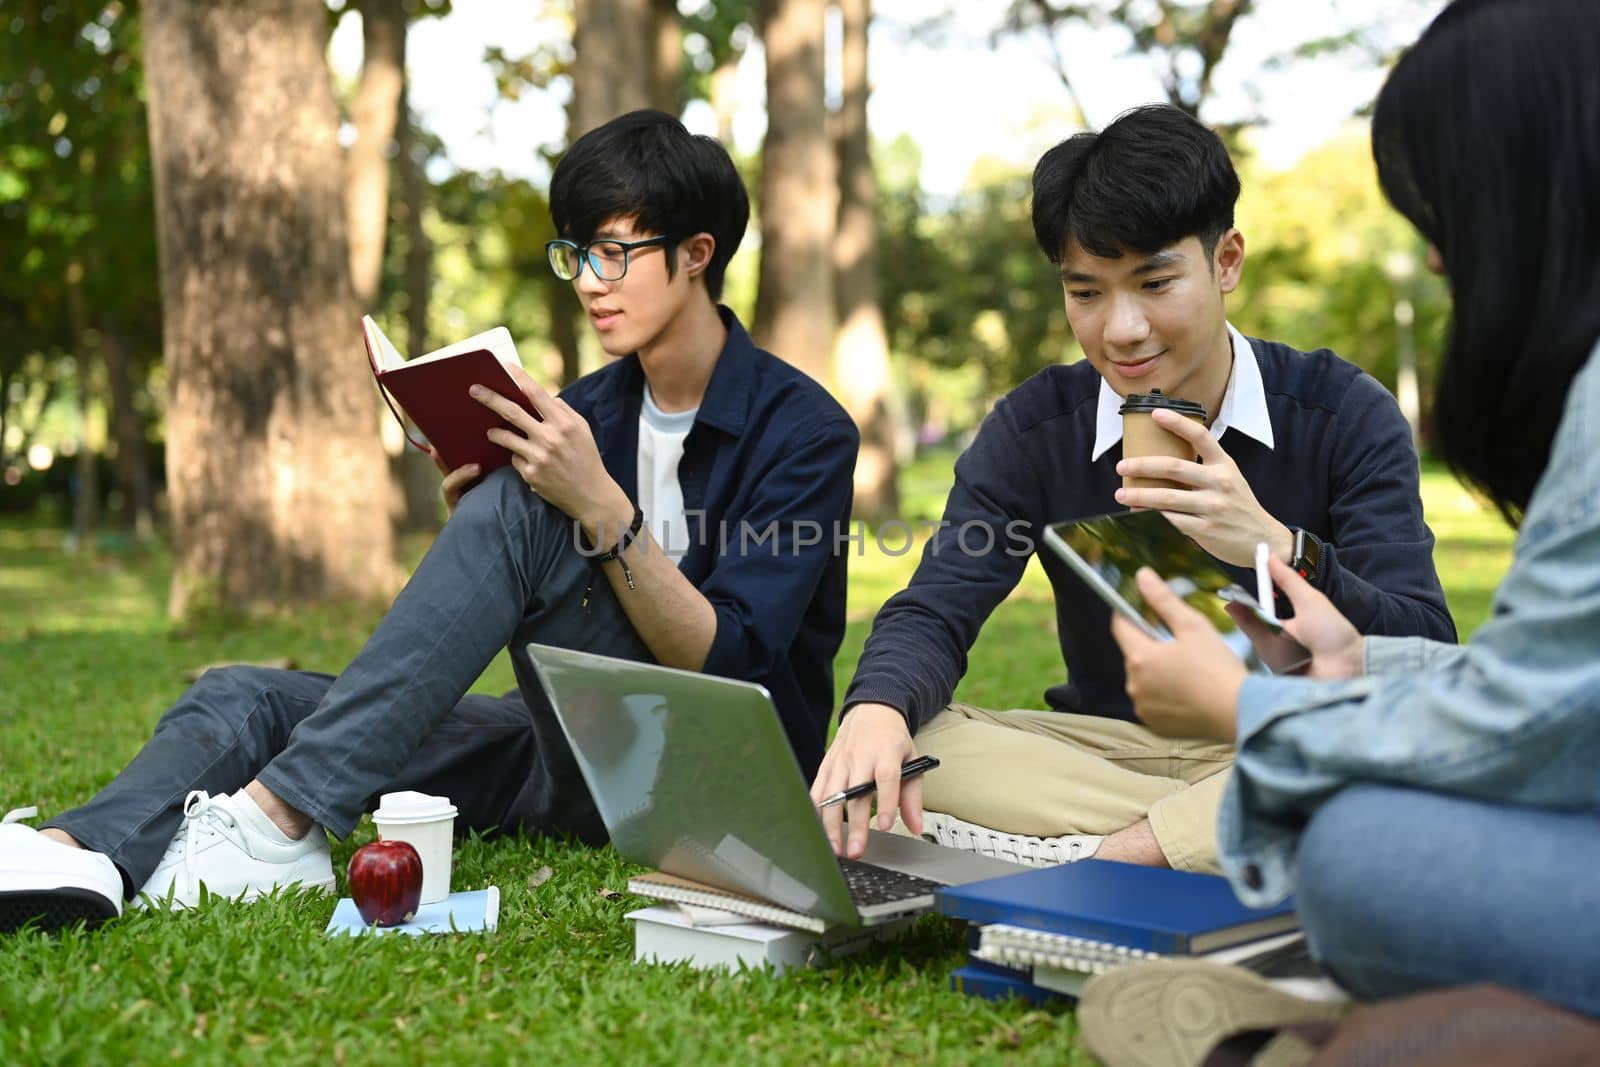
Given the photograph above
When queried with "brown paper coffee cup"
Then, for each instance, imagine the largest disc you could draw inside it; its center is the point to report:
(1141, 436)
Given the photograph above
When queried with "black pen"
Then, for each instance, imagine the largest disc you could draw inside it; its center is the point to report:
(907, 770)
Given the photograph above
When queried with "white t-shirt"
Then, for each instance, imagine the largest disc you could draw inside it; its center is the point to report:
(661, 437)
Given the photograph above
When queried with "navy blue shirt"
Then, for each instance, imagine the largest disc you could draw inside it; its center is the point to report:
(1342, 468)
(766, 477)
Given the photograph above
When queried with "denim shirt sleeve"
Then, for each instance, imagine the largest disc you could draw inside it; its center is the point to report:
(795, 515)
(1512, 716)
(1397, 655)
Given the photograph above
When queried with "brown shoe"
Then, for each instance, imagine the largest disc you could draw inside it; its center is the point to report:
(1173, 1013)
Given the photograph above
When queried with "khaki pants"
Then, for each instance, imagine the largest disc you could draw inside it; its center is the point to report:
(1048, 773)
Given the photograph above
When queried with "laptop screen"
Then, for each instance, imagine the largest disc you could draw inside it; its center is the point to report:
(693, 775)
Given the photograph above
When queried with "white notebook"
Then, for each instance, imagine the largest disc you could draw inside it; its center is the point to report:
(663, 934)
(658, 885)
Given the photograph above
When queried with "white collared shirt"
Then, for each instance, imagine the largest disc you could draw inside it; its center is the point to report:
(1244, 403)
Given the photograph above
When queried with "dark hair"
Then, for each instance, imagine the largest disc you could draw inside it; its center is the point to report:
(1153, 177)
(645, 166)
(1487, 138)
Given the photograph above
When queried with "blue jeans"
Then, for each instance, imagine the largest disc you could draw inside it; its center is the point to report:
(503, 572)
(1403, 890)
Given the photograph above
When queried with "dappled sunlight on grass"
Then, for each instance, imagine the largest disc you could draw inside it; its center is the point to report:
(46, 588)
(87, 663)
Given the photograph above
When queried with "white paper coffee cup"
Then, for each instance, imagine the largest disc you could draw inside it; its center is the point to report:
(427, 823)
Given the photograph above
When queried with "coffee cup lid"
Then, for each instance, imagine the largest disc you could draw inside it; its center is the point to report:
(1142, 402)
(410, 806)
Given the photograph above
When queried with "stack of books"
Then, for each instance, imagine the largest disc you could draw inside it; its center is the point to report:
(719, 929)
(1041, 935)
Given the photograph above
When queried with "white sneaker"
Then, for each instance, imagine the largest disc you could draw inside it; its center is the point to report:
(951, 832)
(52, 885)
(228, 845)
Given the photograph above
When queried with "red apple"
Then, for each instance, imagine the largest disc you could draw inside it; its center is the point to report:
(386, 882)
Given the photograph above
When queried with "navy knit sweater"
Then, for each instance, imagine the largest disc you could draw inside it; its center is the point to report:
(1343, 468)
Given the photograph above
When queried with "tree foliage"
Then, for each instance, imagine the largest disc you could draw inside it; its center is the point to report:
(76, 208)
(1183, 40)
(964, 285)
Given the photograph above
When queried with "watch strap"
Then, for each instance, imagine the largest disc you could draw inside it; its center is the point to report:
(1308, 558)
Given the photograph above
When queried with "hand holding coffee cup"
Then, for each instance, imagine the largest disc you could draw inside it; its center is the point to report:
(1207, 496)
(1142, 436)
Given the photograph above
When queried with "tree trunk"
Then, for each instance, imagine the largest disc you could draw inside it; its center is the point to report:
(5, 410)
(86, 478)
(613, 71)
(374, 114)
(563, 311)
(559, 300)
(861, 349)
(666, 46)
(415, 476)
(724, 98)
(794, 298)
(273, 462)
(132, 460)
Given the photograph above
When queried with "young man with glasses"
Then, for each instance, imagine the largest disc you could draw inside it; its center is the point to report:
(616, 530)
(1301, 451)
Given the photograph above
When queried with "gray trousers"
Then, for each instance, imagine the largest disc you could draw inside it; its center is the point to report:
(503, 572)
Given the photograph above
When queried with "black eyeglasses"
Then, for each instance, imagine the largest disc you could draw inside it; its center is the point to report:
(607, 258)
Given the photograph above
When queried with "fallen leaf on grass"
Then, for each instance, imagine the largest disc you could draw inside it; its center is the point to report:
(540, 877)
(1007, 1036)
(282, 663)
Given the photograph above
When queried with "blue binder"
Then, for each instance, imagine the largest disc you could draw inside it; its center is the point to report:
(1170, 913)
(979, 979)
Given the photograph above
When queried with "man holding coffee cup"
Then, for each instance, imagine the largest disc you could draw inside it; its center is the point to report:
(1238, 441)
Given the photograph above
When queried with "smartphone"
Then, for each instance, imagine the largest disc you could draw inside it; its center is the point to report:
(1106, 551)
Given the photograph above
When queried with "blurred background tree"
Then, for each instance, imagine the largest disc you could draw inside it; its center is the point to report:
(271, 444)
(80, 310)
(177, 401)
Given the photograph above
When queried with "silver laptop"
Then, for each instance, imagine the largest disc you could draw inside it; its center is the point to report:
(693, 776)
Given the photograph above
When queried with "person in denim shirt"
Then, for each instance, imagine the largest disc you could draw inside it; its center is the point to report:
(1436, 809)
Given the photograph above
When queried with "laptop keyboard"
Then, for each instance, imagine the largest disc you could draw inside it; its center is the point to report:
(870, 884)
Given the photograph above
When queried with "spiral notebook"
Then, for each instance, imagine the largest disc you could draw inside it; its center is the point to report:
(659, 885)
(1053, 964)
(1016, 946)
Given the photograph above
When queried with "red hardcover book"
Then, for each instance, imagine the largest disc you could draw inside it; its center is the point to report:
(432, 389)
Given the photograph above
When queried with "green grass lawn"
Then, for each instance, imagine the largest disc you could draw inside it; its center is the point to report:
(87, 664)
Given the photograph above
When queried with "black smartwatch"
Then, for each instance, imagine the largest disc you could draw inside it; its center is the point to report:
(1307, 557)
